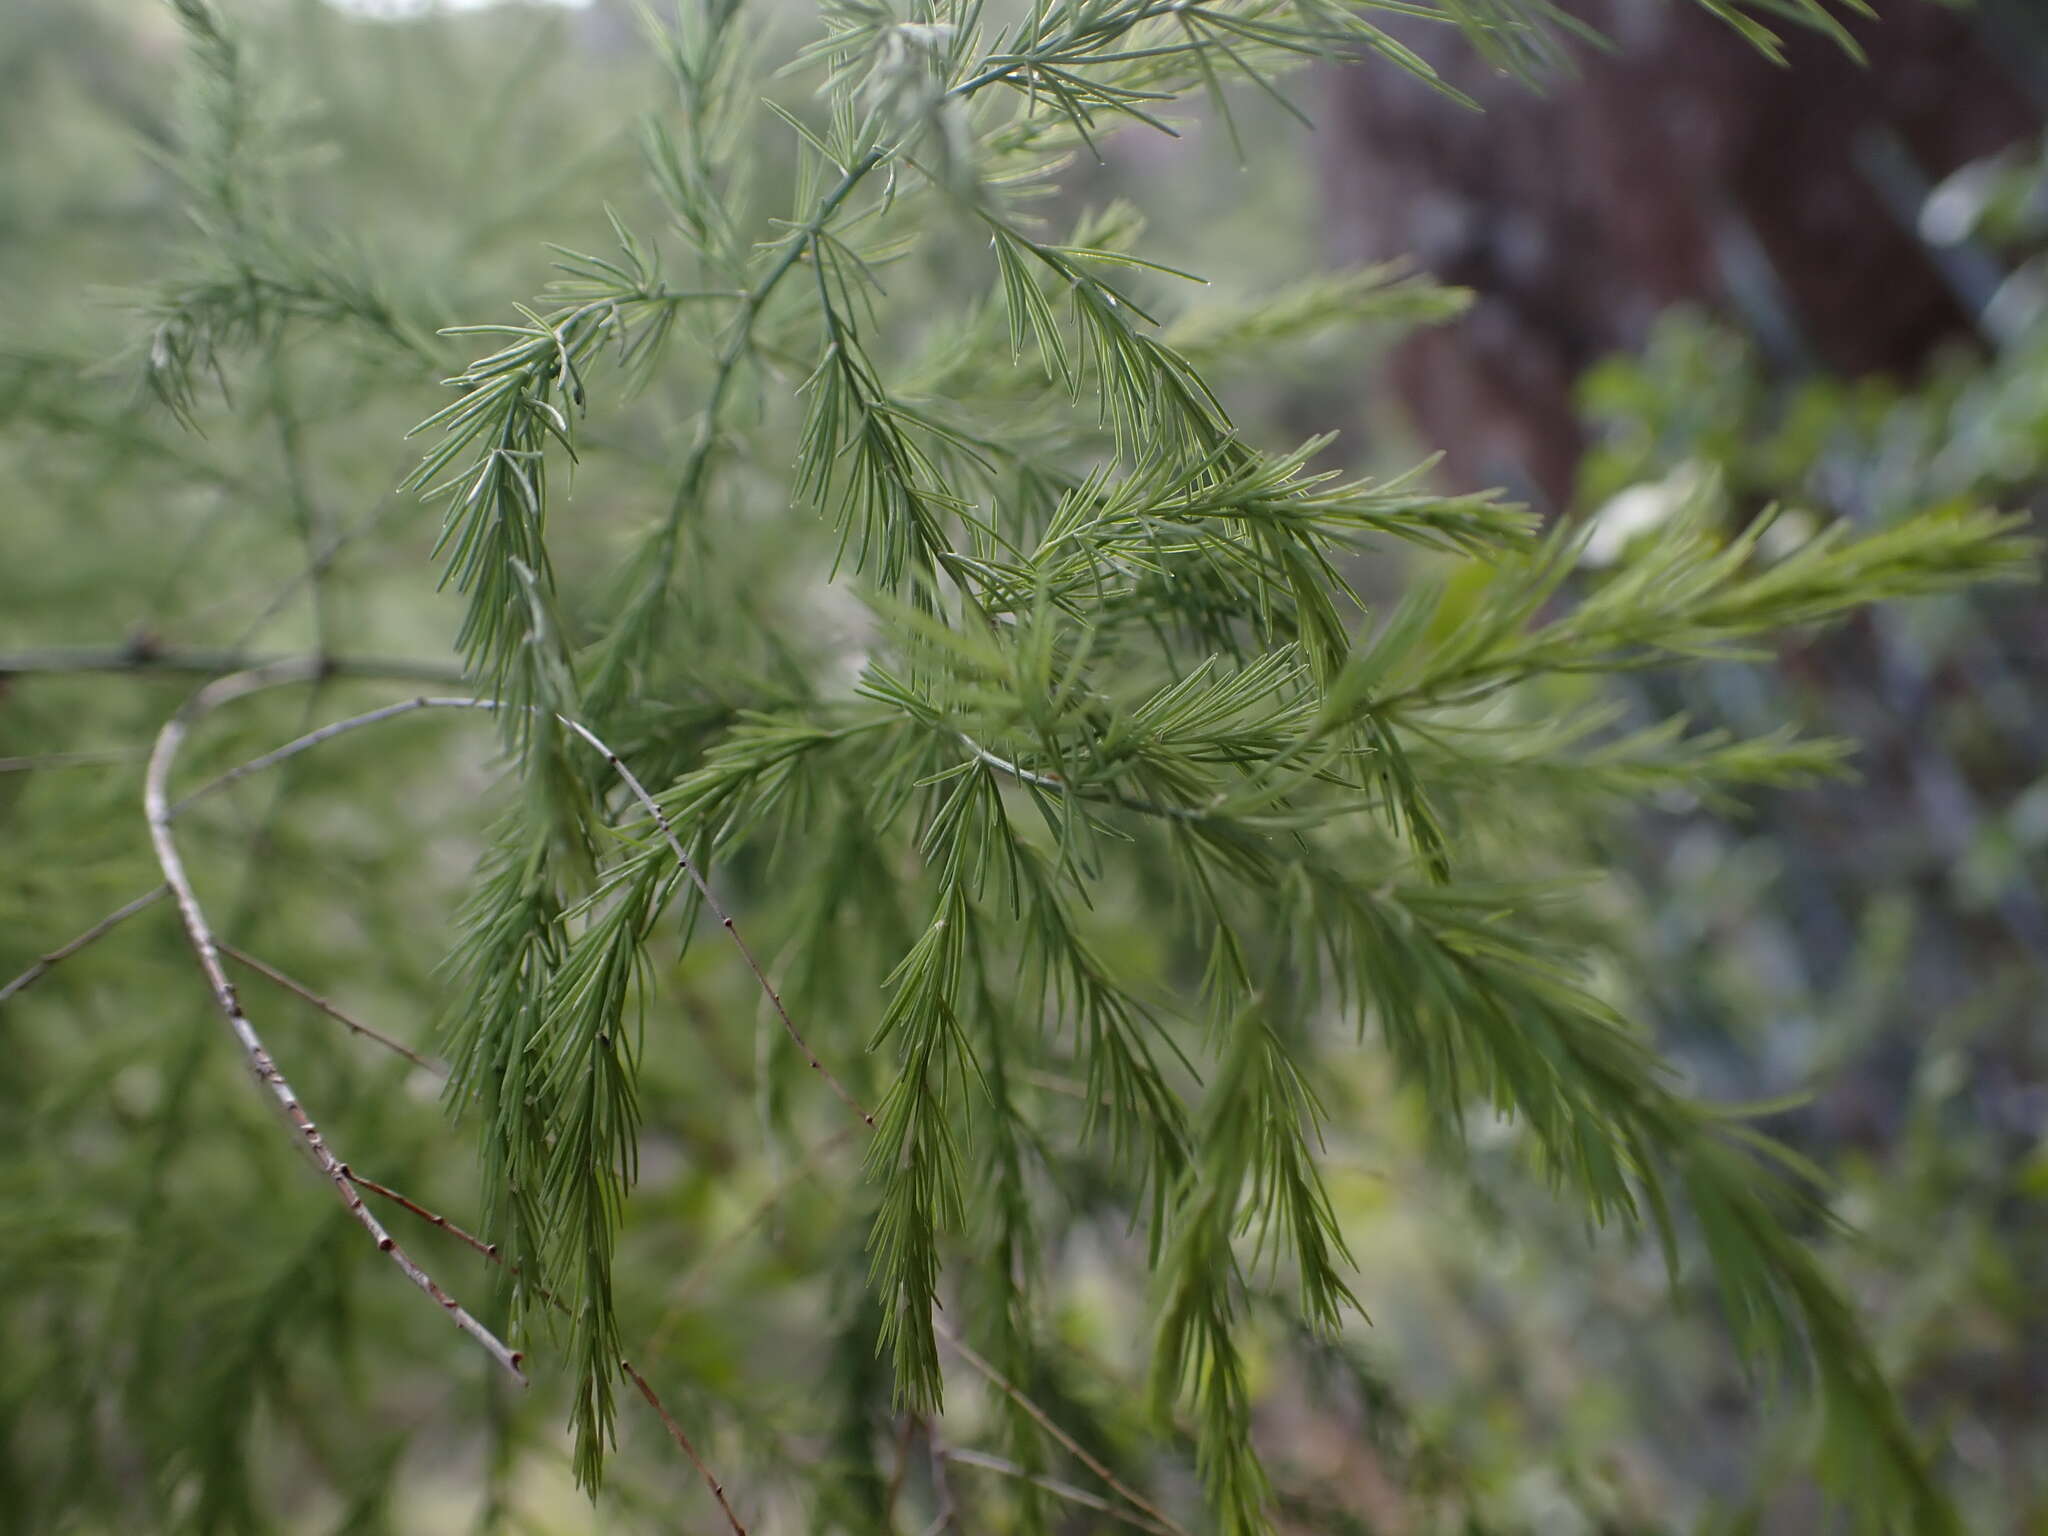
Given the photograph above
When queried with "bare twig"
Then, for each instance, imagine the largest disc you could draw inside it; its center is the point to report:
(899, 1469)
(703, 886)
(160, 811)
(431, 1218)
(675, 1431)
(147, 656)
(942, 1486)
(157, 811)
(1052, 1485)
(959, 1345)
(490, 1251)
(627, 777)
(1052, 1082)
(1043, 1420)
(353, 1025)
(327, 732)
(306, 512)
(98, 930)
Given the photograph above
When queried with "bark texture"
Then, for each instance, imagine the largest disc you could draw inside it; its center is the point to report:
(1683, 167)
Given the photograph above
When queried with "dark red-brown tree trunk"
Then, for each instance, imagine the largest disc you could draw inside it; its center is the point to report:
(1686, 169)
(1682, 167)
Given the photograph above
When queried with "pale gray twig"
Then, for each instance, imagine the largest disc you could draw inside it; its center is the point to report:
(490, 1251)
(626, 776)
(160, 811)
(1060, 786)
(353, 1025)
(938, 1453)
(326, 733)
(100, 929)
(157, 812)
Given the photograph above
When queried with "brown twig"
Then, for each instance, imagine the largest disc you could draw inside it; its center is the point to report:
(98, 930)
(353, 1025)
(157, 812)
(675, 1431)
(431, 1218)
(703, 886)
(982, 1366)
(460, 1234)
(490, 1251)
(160, 811)
(1044, 1421)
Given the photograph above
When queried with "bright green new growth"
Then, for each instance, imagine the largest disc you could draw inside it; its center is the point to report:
(1113, 657)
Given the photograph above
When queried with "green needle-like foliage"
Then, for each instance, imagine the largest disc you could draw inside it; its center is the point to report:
(1157, 662)
(1108, 655)
(1161, 658)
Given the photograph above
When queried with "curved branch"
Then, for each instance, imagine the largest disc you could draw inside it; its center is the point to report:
(326, 733)
(157, 811)
(676, 1434)
(209, 951)
(490, 1251)
(639, 792)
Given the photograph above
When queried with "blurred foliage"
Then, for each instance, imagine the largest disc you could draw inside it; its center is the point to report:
(195, 1338)
(1879, 953)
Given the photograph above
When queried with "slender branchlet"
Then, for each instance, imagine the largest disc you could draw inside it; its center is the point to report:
(1009, 1389)
(348, 1022)
(1067, 1492)
(91, 936)
(490, 1251)
(682, 1441)
(157, 813)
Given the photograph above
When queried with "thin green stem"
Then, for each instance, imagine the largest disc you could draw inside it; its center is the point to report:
(740, 342)
(1060, 786)
(691, 485)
